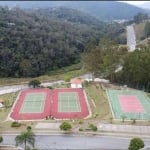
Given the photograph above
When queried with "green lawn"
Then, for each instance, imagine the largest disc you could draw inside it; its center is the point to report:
(95, 93)
(10, 98)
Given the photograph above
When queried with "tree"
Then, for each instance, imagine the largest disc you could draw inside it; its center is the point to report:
(140, 17)
(92, 61)
(103, 59)
(147, 29)
(27, 137)
(25, 67)
(136, 69)
(1, 139)
(136, 144)
(34, 83)
(65, 126)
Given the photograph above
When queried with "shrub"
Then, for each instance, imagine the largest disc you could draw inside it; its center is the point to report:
(15, 124)
(1, 139)
(50, 87)
(93, 127)
(133, 121)
(123, 118)
(96, 115)
(85, 83)
(80, 122)
(65, 126)
(67, 78)
(80, 129)
(29, 128)
(136, 144)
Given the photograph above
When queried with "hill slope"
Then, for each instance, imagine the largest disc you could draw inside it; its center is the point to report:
(101, 9)
(69, 15)
(33, 44)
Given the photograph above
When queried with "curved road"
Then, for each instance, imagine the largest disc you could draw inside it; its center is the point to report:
(47, 142)
(74, 142)
(15, 88)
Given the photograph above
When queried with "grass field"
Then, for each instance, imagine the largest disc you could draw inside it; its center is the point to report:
(10, 98)
(98, 96)
(68, 102)
(70, 72)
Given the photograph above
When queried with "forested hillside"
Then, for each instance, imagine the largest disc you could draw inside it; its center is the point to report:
(70, 15)
(33, 44)
(104, 10)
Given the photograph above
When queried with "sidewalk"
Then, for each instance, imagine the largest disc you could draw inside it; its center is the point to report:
(125, 129)
(103, 130)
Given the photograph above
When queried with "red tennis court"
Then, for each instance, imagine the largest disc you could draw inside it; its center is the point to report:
(130, 104)
(84, 112)
(17, 112)
(42, 103)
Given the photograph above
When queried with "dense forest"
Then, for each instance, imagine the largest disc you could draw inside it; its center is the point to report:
(31, 44)
(34, 42)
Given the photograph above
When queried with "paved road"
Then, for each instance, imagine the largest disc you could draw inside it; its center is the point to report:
(15, 88)
(47, 142)
(74, 142)
(131, 39)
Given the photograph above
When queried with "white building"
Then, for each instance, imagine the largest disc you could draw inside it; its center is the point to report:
(76, 83)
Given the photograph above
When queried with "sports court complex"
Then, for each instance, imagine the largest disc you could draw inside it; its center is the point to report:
(131, 104)
(59, 103)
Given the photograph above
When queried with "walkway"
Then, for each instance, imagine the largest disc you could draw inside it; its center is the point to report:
(127, 129)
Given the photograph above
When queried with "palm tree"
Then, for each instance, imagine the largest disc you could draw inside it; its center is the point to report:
(1, 139)
(25, 137)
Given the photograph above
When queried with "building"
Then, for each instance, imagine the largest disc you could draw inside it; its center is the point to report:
(76, 83)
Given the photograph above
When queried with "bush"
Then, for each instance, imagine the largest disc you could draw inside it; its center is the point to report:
(29, 128)
(123, 118)
(85, 83)
(65, 126)
(80, 129)
(133, 121)
(15, 124)
(96, 115)
(80, 122)
(67, 78)
(93, 127)
(50, 87)
(1, 139)
(136, 144)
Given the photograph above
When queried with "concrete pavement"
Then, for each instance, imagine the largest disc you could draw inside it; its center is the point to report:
(131, 38)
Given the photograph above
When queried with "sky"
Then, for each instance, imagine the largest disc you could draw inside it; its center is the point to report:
(135, 2)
